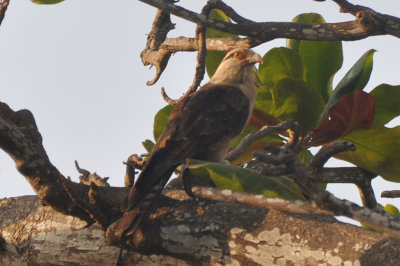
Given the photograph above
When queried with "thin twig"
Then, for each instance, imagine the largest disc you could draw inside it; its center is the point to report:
(166, 98)
(306, 181)
(201, 56)
(252, 137)
(134, 162)
(82, 171)
(3, 8)
(391, 194)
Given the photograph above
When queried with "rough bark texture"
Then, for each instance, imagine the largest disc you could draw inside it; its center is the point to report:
(190, 232)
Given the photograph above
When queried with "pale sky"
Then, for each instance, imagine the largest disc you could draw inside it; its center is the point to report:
(76, 66)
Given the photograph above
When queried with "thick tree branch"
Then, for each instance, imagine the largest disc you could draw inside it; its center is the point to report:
(188, 232)
(20, 138)
(365, 25)
(372, 19)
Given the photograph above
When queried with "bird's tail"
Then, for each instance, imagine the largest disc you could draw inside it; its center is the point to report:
(148, 187)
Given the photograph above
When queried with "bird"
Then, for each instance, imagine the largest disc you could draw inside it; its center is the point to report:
(201, 126)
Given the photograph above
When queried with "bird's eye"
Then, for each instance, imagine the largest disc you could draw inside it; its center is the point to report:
(238, 54)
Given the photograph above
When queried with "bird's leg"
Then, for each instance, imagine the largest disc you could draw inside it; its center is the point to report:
(187, 178)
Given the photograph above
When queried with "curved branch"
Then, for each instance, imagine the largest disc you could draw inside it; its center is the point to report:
(152, 54)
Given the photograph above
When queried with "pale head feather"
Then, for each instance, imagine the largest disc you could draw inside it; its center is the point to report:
(237, 69)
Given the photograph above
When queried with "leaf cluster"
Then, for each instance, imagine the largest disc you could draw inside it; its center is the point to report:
(296, 82)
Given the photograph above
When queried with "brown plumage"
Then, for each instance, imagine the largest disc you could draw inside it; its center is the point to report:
(202, 126)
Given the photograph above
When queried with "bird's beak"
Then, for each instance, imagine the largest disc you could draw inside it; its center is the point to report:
(255, 58)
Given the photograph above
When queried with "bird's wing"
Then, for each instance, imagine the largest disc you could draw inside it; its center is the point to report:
(201, 126)
(206, 121)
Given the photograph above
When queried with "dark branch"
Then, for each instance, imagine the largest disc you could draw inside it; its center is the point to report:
(391, 194)
(3, 8)
(201, 56)
(20, 138)
(134, 162)
(351, 175)
(364, 26)
(152, 54)
(159, 48)
(325, 200)
(249, 139)
(327, 151)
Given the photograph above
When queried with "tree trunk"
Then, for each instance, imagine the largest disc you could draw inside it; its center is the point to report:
(190, 232)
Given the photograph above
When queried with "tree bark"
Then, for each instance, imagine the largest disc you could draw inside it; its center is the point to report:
(189, 232)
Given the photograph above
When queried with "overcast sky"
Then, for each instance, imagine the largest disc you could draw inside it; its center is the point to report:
(76, 66)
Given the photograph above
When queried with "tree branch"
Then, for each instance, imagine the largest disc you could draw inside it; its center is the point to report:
(259, 201)
(306, 181)
(391, 194)
(3, 8)
(189, 232)
(20, 138)
(249, 139)
(366, 24)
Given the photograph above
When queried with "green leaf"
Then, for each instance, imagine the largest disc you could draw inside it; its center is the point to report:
(377, 151)
(245, 180)
(46, 2)
(387, 104)
(295, 99)
(148, 145)
(264, 100)
(279, 63)
(214, 58)
(305, 156)
(303, 18)
(322, 59)
(355, 79)
(392, 210)
(161, 121)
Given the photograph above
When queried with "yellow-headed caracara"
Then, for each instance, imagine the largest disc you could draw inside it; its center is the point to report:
(201, 126)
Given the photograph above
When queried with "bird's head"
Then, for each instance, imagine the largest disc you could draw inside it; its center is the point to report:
(236, 67)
